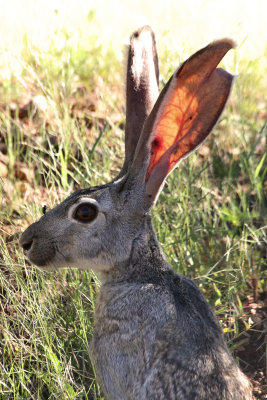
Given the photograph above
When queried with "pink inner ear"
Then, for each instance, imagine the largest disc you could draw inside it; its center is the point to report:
(190, 108)
(177, 117)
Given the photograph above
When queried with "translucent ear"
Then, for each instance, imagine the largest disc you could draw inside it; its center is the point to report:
(141, 87)
(184, 115)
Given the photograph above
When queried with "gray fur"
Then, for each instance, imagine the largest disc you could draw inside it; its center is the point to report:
(155, 336)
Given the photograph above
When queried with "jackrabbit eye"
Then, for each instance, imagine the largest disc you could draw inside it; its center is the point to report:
(85, 212)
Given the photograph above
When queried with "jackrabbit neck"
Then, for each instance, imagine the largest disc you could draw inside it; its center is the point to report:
(146, 262)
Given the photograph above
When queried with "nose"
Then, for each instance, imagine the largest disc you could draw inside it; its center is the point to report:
(26, 239)
(38, 249)
(26, 244)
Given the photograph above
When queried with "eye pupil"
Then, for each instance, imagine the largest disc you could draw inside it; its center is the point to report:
(85, 213)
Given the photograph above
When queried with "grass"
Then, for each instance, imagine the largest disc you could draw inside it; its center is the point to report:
(61, 128)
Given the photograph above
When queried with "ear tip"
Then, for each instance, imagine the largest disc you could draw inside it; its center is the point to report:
(142, 28)
(225, 42)
(142, 34)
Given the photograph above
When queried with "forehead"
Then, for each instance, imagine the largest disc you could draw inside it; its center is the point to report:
(96, 192)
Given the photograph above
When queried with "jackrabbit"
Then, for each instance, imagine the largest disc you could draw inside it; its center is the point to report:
(155, 336)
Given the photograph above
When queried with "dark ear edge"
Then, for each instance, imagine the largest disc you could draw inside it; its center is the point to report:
(141, 87)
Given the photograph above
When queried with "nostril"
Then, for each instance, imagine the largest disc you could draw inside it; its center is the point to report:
(27, 245)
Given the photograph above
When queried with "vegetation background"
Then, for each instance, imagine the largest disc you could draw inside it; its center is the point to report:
(62, 67)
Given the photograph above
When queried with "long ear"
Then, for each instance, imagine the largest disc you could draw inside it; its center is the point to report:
(184, 115)
(141, 87)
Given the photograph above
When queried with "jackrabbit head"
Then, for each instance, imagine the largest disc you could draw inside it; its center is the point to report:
(96, 227)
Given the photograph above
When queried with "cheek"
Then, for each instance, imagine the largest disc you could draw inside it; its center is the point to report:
(82, 242)
(91, 245)
(85, 244)
(120, 240)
